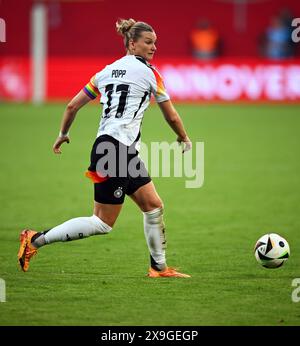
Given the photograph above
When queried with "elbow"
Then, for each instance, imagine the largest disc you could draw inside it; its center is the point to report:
(172, 117)
(172, 120)
(72, 108)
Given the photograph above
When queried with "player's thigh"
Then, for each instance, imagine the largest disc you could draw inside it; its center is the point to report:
(109, 197)
(146, 197)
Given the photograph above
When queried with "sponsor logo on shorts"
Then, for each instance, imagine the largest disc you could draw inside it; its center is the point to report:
(118, 193)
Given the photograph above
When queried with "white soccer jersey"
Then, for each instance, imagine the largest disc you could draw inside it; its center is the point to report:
(125, 86)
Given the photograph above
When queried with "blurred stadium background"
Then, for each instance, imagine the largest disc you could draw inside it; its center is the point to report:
(243, 101)
(50, 42)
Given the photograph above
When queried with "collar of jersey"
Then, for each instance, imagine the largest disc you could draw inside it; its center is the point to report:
(142, 60)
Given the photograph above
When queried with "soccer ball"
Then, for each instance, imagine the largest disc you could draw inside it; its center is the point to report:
(271, 250)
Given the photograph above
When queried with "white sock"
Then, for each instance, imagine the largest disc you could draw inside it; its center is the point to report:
(154, 230)
(78, 228)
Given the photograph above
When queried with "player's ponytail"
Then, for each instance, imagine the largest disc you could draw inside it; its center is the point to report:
(130, 29)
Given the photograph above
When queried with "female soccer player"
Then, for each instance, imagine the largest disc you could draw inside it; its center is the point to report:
(116, 169)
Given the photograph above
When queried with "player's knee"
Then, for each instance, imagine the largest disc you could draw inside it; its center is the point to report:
(107, 218)
(101, 225)
(109, 221)
(154, 216)
(106, 214)
(153, 204)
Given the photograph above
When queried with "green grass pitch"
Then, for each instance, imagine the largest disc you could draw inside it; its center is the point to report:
(251, 187)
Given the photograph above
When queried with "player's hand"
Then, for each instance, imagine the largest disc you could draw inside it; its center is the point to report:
(59, 141)
(185, 142)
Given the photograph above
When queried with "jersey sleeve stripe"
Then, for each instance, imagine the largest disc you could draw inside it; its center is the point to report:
(91, 90)
(161, 90)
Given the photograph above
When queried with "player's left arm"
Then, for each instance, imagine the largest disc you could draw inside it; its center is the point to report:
(68, 117)
(175, 122)
(168, 110)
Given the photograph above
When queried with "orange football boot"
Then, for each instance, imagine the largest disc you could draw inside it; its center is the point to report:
(167, 273)
(26, 250)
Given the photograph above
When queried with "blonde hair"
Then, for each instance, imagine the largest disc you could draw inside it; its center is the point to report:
(130, 29)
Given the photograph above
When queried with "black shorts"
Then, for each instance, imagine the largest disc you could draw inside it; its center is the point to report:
(116, 170)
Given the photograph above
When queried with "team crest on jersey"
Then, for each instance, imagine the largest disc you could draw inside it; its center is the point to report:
(118, 193)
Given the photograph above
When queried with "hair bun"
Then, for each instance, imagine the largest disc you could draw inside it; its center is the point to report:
(124, 25)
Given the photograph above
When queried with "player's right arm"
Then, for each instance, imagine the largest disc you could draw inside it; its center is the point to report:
(88, 93)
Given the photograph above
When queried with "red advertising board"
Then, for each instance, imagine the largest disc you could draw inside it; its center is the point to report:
(186, 80)
(249, 80)
(15, 81)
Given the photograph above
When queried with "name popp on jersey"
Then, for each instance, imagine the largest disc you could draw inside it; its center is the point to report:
(118, 73)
